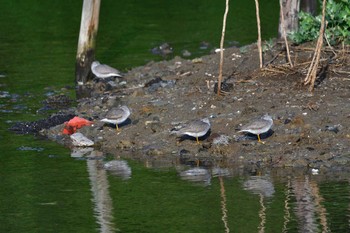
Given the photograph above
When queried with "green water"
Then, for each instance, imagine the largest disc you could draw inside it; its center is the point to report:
(44, 189)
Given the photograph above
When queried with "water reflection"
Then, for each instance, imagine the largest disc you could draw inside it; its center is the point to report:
(97, 169)
(223, 204)
(119, 168)
(80, 152)
(262, 186)
(309, 208)
(286, 215)
(219, 172)
(197, 174)
(101, 196)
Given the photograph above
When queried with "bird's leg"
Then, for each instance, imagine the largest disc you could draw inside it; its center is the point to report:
(116, 127)
(197, 140)
(260, 140)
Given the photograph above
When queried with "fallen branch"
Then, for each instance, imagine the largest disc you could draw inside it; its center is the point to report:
(340, 71)
(274, 58)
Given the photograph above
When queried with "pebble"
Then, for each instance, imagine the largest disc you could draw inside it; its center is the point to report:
(78, 139)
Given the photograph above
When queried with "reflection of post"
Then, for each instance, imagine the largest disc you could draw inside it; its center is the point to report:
(102, 199)
(309, 205)
(305, 207)
(262, 214)
(223, 204)
(319, 207)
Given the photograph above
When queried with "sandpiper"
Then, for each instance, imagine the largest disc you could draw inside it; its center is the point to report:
(196, 128)
(117, 116)
(259, 126)
(104, 71)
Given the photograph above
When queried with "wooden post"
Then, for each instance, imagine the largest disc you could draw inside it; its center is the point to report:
(86, 43)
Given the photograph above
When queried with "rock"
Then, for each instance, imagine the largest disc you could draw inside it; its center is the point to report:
(333, 128)
(186, 53)
(162, 50)
(225, 88)
(221, 139)
(78, 139)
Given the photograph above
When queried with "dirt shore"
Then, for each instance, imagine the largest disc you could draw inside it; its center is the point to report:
(310, 129)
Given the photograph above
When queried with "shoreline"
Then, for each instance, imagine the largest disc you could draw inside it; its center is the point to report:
(310, 129)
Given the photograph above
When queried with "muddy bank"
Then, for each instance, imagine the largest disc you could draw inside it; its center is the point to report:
(310, 129)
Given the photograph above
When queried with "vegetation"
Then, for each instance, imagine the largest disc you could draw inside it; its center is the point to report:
(337, 24)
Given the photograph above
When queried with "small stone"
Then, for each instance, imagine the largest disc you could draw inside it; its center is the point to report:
(197, 60)
(186, 53)
(78, 139)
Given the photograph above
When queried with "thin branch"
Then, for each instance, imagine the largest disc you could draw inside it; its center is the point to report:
(284, 34)
(222, 47)
(329, 45)
(259, 32)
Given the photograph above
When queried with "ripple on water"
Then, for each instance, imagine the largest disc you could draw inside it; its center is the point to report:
(29, 148)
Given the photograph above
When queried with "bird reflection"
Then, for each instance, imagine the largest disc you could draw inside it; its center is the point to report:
(119, 168)
(197, 174)
(262, 186)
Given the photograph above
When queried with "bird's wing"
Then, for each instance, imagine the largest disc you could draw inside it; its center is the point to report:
(106, 69)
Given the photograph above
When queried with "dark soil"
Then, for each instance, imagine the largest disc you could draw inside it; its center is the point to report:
(311, 129)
